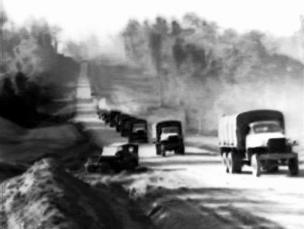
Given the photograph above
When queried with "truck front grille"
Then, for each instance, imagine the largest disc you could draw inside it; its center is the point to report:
(277, 145)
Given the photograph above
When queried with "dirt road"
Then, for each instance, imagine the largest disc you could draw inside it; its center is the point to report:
(198, 179)
(238, 197)
(240, 200)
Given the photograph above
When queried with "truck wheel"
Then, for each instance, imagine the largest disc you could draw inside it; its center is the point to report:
(158, 152)
(293, 166)
(225, 161)
(163, 150)
(234, 162)
(229, 162)
(180, 150)
(256, 165)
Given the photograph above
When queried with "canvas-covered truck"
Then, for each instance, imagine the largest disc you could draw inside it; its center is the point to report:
(256, 138)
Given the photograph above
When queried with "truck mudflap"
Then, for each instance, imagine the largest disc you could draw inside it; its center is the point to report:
(277, 156)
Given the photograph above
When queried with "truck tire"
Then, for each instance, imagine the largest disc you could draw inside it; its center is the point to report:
(255, 165)
(180, 150)
(224, 160)
(234, 162)
(293, 166)
(158, 152)
(163, 150)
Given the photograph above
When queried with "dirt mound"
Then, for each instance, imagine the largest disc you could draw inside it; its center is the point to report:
(48, 197)
(178, 214)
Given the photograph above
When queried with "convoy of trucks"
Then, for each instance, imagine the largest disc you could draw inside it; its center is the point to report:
(254, 138)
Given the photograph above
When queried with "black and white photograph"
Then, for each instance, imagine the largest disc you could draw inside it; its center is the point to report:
(134, 114)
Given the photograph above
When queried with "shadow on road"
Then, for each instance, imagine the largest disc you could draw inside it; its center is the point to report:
(184, 162)
(229, 208)
(201, 154)
(170, 170)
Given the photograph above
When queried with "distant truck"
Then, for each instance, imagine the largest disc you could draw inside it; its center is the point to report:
(126, 158)
(256, 138)
(138, 131)
(169, 137)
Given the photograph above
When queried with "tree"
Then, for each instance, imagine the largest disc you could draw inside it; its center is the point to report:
(45, 35)
(3, 20)
(179, 52)
(157, 37)
(176, 28)
(131, 36)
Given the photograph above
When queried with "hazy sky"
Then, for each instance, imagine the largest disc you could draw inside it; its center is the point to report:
(77, 18)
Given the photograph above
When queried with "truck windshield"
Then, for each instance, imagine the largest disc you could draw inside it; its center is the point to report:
(139, 127)
(267, 128)
(170, 129)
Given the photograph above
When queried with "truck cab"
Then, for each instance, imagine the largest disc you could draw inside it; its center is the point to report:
(260, 132)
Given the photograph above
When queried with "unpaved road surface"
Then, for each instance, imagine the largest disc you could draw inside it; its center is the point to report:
(275, 197)
(198, 179)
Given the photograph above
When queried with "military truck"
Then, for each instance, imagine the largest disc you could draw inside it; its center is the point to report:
(138, 131)
(125, 158)
(256, 138)
(169, 137)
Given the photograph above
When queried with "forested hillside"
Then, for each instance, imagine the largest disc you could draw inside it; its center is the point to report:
(32, 71)
(210, 71)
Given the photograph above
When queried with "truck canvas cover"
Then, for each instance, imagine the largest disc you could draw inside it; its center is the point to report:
(234, 128)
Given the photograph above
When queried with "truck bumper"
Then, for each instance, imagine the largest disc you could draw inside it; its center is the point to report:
(277, 156)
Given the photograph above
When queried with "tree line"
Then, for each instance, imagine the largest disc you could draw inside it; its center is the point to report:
(31, 69)
(203, 66)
